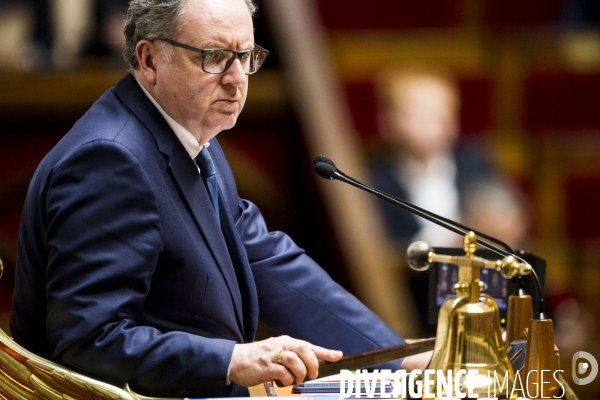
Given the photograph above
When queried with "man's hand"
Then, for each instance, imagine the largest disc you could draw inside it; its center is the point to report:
(280, 358)
(418, 361)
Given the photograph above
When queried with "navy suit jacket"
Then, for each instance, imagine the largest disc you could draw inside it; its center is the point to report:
(124, 274)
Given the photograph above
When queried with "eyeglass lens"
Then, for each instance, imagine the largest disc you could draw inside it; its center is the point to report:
(217, 61)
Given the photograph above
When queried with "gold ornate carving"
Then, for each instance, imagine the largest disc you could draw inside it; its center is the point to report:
(24, 375)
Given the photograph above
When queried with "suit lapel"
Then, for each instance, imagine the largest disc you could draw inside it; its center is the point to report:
(185, 174)
(244, 273)
(229, 202)
(197, 197)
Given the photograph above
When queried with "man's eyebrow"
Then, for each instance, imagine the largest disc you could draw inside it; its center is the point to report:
(214, 45)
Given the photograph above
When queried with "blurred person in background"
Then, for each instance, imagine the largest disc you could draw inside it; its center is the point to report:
(42, 34)
(25, 34)
(107, 38)
(497, 208)
(88, 29)
(424, 162)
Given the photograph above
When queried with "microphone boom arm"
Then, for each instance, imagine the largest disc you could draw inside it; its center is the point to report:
(326, 169)
(428, 215)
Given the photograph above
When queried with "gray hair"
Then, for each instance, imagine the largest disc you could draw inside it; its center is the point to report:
(152, 19)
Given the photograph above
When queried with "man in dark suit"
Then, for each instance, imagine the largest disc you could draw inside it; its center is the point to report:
(424, 162)
(138, 263)
(422, 159)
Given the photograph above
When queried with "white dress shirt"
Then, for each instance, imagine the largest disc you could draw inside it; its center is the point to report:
(185, 137)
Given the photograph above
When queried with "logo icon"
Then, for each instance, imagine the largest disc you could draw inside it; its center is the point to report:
(580, 368)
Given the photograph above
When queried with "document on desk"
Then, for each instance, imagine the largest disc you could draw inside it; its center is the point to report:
(370, 386)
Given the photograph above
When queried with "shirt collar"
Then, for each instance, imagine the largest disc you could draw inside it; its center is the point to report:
(185, 137)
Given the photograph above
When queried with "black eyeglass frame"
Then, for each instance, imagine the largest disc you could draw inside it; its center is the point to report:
(236, 54)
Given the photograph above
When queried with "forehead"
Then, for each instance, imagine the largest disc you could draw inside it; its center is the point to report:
(423, 90)
(226, 22)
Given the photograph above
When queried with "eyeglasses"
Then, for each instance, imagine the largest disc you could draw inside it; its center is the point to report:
(217, 61)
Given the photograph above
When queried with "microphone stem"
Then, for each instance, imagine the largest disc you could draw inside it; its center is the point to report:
(428, 215)
(448, 224)
(538, 287)
(425, 213)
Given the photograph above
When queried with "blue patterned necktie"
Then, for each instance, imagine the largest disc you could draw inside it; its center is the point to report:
(207, 171)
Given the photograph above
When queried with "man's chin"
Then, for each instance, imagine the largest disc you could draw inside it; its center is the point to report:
(227, 123)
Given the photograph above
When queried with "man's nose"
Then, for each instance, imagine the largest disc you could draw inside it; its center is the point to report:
(235, 74)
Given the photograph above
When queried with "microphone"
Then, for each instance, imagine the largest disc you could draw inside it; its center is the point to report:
(323, 159)
(326, 168)
(329, 170)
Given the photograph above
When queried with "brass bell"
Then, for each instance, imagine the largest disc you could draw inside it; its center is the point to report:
(468, 335)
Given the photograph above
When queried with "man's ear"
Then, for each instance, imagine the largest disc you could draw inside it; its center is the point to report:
(146, 52)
